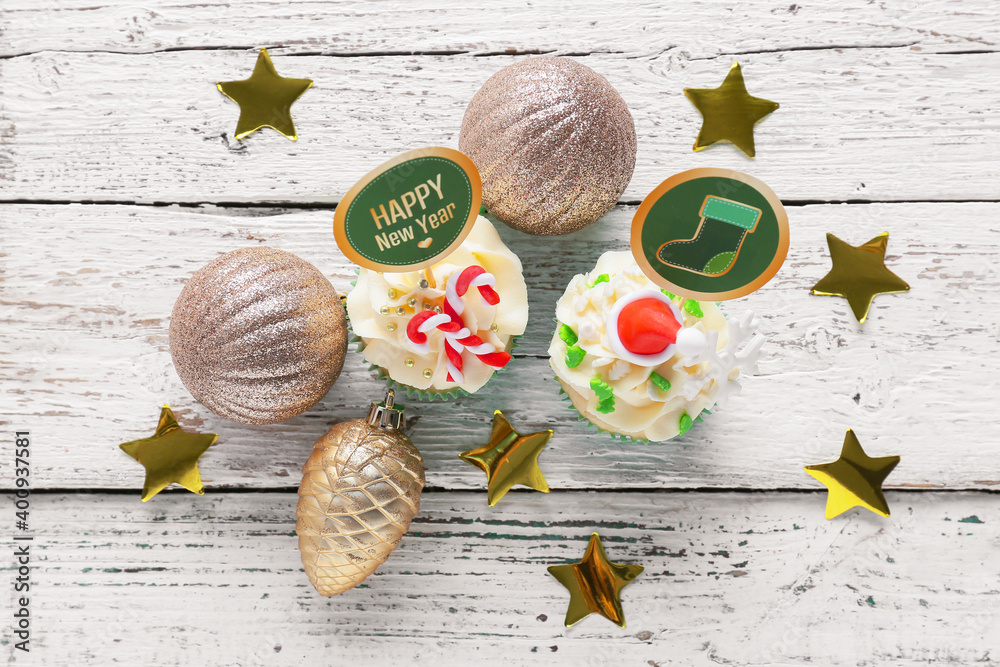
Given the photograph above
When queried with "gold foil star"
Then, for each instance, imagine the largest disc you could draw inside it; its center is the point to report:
(859, 274)
(265, 98)
(595, 584)
(510, 458)
(170, 455)
(855, 479)
(729, 112)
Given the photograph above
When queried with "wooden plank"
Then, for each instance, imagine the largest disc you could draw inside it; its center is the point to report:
(702, 28)
(855, 124)
(86, 293)
(736, 579)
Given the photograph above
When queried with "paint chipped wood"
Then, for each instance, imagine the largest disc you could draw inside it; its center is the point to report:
(854, 124)
(731, 578)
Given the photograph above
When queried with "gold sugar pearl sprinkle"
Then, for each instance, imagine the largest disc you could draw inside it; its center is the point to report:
(424, 284)
(427, 305)
(412, 302)
(437, 309)
(495, 327)
(392, 294)
(400, 310)
(428, 373)
(384, 310)
(391, 326)
(408, 362)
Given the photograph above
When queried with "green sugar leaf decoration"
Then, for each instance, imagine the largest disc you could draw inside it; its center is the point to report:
(605, 395)
(670, 295)
(662, 383)
(602, 389)
(685, 423)
(567, 334)
(574, 355)
(693, 307)
(603, 278)
(604, 407)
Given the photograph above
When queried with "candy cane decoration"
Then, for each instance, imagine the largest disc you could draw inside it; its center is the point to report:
(472, 276)
(456, 335)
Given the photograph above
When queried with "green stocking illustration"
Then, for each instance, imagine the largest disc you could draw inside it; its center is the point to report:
(715, 246)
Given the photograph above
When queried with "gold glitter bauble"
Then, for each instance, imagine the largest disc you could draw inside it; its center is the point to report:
(258, 335)
(554, 143)
(360, 489)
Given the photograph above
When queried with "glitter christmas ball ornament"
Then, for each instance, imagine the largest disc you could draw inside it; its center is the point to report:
(360, 488)
(554, 143)
(258, 335)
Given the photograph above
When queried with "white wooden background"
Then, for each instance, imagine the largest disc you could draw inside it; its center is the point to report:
(119, 177)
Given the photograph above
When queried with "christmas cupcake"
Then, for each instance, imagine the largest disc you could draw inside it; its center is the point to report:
(445, 329)
(639, 362)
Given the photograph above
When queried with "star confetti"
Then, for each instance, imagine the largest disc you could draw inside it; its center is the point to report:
(859, 274)
(855, 479)
(265, 99)
(595, 584)
(729, 112)
(170, 456)
(509, 458)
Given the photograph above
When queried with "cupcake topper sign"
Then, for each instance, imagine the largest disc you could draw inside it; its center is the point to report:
(408, 212)
(710, 234)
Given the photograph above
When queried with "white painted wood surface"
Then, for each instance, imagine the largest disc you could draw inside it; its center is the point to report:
(698, 28)
(896, 103)
(869, 124)
(732, 579)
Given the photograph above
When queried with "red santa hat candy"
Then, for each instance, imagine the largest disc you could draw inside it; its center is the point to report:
(646, 328)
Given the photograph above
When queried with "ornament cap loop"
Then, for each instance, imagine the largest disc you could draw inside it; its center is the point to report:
(384, 415)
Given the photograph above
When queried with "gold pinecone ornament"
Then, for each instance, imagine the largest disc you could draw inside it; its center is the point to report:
(360, 488)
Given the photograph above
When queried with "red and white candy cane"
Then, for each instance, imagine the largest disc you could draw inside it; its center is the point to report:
(456, 335)
(471, 276)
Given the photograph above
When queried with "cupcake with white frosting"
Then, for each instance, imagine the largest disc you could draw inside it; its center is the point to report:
(448, 328)
(639, 362)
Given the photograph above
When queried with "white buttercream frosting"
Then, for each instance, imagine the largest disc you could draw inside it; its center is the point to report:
(641, 409)
(374, 302)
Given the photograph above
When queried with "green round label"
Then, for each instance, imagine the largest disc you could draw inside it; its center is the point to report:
(711, 234)
(410, 211)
